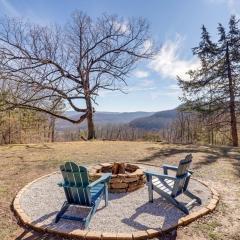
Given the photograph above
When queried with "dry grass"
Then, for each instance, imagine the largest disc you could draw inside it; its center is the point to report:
(21, 164)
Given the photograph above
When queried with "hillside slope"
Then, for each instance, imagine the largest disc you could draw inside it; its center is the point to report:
(101, 118)
(156, 121)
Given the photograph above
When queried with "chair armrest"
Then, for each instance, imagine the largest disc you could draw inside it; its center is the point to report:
(168, 167)
(60, 184)
(174, 168)
(64, 185)
(104, 178)
(158, 175)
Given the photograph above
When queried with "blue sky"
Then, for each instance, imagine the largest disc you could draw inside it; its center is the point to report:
(175, 25)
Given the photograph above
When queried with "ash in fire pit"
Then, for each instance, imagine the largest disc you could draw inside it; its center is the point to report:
(125, 177)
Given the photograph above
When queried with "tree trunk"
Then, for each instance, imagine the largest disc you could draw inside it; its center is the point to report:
(91, 128)
(53, 129)
(90, 123)
(232, 106)
(9, 128)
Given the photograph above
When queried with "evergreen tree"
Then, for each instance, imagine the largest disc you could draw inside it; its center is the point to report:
(213, 88)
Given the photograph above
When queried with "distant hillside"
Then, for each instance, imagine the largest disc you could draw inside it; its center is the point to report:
(101, 118)
(156, 121)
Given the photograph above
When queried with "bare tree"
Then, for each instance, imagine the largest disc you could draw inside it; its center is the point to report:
(71, 64)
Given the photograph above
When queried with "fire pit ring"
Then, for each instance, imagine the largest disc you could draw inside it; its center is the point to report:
(125, 177)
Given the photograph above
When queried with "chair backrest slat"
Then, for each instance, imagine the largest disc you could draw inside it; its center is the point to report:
(66, 181)
(76, 181)
(182, 176)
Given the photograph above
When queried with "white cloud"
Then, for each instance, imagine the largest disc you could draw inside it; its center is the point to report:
(169, 91)
(121, 26)
(139, 89)
(142, 85)
(173, 87)
(141, 74)
(147, 83)
(147, 46)
(8, 8)
(232, 5)
(168, 62)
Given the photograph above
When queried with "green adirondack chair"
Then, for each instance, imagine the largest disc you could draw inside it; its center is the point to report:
(79, 191)
(170, 187)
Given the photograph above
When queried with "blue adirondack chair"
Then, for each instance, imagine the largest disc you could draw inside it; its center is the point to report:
(170, 187)
(80, 192)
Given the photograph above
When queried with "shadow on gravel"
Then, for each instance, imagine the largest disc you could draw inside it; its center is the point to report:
(44, 217)
(168, 215)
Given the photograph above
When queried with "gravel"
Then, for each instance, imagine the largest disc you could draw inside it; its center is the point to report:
(126, 212)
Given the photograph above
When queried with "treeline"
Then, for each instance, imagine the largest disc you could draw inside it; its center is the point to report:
(195, 128)
(112, 132)
(25, 126)
(186, 128)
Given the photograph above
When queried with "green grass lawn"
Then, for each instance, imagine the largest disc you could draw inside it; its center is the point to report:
(219, 166)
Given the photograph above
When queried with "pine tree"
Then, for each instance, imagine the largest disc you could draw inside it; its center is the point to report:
(213, 88)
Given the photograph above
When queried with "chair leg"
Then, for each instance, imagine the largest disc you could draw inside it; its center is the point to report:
(106, 194)
(62, 211)
(178, 205)
(150, 187)
(172, 200)
(192, 196)
(150, 192)
(88, 219)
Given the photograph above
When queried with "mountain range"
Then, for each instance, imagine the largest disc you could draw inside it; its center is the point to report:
(142, 120)
(155, 121)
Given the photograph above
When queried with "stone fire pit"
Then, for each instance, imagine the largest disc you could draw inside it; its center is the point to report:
(125, 177)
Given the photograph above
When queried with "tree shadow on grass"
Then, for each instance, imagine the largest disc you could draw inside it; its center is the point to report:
(28, 234)
(235, 161)
(209, 155)
(237, 167)
(39, 147)
(203, 156)
(32, 235)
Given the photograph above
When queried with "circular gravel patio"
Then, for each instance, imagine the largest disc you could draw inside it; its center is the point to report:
(128, 214)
